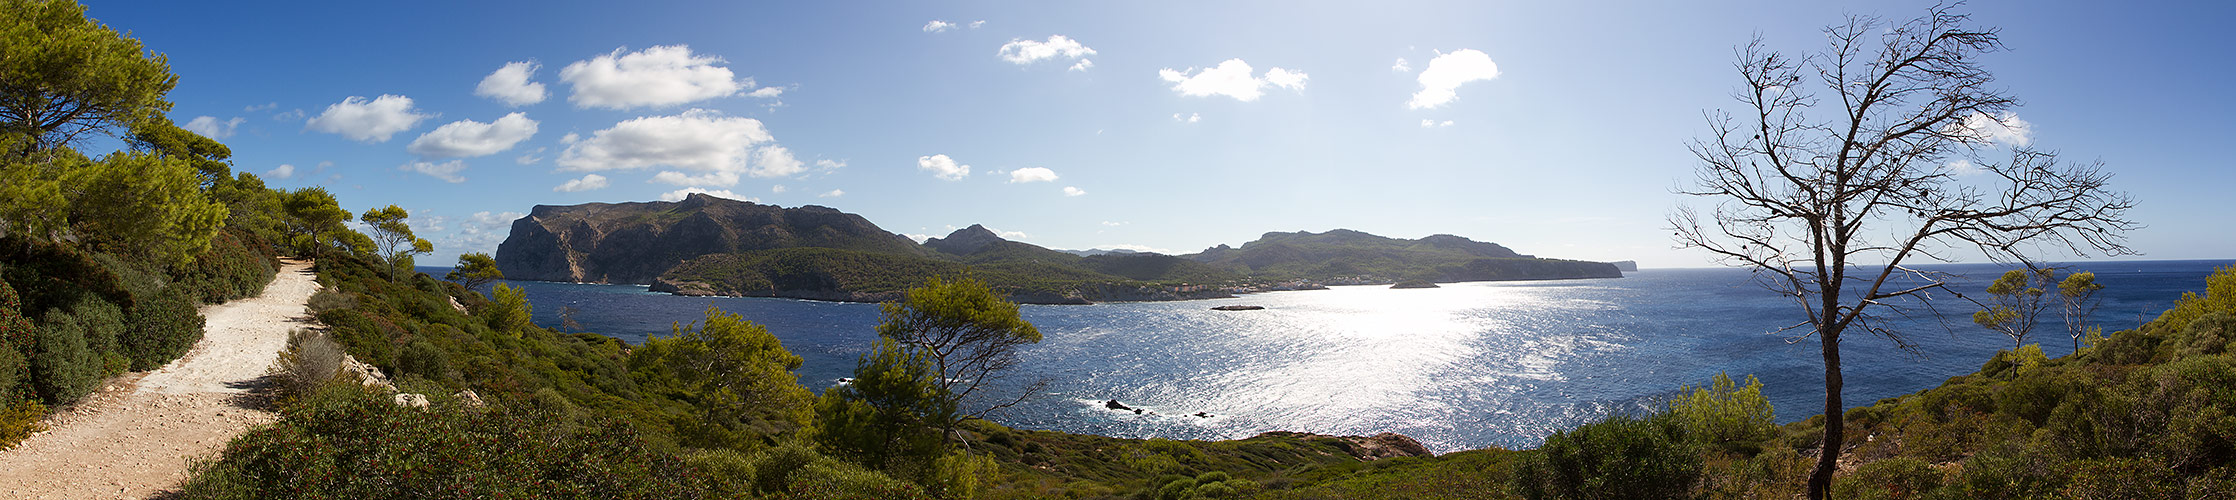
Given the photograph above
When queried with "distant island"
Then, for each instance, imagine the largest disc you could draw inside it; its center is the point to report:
(705, 245)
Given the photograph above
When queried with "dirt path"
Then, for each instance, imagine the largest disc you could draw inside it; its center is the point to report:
(134, 438)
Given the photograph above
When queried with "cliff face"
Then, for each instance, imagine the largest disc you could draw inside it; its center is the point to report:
(635, 242)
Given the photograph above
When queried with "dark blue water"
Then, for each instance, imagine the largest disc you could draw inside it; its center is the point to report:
(1464, 366)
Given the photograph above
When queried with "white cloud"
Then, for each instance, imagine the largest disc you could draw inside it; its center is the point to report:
(680, 194)
(1231, 78)
(1402, 66)
(210, 127)
(1114, 224)
(1435, 124)
(1073, 191)
(832, 194)
(943, 167)
(2004, 128)
(775, 161)
(1292, 80)
(665, 75)
(698, 140)
(368, 121)
(937, 26)
(830, 164)
(1445, 74)
(778, 189)
(281, 172)
(447, 171)
(1032, 174)
(529, 158)
(723, 179)
(1083, 65)
(260, 107)
(766, 92)
(586, 183)
(289, 115)
(1023, 52)
(482, 231)
(978, 23)
(1189, 118)
(510, 85)
(468, 138)
(1965, 168)
(918, 237)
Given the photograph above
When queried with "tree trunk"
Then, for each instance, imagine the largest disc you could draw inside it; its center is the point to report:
(1828, 453)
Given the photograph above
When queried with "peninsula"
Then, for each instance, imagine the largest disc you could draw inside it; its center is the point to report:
(706, 245)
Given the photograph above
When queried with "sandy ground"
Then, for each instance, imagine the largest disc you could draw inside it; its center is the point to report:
(135, 438)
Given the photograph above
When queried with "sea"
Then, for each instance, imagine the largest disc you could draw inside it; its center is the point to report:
(1464, 366)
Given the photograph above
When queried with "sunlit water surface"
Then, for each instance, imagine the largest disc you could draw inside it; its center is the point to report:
(1464, 366)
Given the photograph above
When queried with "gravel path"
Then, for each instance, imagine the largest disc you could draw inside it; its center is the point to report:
(134, 438)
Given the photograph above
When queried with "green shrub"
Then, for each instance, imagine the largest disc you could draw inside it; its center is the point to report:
(729, 473)
(163, 327)
(326, 299)
(1622, 457)
(63, 369)
(425, 360)
(2008, 472)
(17, 336)
(104, 330)
(835, 480)
(1726, 415)
(2216, 484)
(1889, 479)
(348, 442)
(772, 470)
(2123, 479)
(237, 265)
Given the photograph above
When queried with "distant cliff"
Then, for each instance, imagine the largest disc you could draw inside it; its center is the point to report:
(636, 242)
(1344, 255)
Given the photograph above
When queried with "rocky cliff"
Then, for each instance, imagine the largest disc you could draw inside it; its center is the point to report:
(635, 242)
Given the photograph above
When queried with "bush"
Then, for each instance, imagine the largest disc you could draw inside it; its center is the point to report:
(1727, 415)
(2123, 479)
(237, 265)
(348, 442)
(17, 336)
(104, 331)
(1891, 478)
(1622, 457)
(63, 369)
(163, 327)
(19, 420)
(425, 360)
(326, 299)
(310, 361)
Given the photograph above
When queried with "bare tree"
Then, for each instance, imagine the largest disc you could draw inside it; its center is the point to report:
(1855, 162)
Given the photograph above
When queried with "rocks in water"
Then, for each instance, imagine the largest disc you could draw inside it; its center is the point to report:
(1203, 414)
(1238, 308)
(1115, 405)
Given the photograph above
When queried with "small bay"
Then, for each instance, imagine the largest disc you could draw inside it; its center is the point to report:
(1463, 366)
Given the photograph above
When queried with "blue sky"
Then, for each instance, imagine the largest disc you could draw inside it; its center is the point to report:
(1123, 125)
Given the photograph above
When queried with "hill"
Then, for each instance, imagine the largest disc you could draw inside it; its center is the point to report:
(635, 242)
(1347, 255)
(1027, 273)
